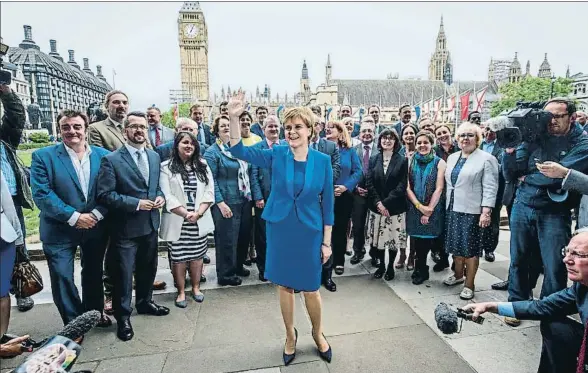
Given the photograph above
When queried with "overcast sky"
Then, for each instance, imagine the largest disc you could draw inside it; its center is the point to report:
(251, 44)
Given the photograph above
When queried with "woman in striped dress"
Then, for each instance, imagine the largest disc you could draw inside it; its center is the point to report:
(188, 186)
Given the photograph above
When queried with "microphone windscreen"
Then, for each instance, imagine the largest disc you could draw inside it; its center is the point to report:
(81, 325)
(499, 123)
(446, 319)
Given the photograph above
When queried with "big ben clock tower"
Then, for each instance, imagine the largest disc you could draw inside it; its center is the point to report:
(193, 39)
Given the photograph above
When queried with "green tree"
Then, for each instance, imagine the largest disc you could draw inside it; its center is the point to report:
(529, 89)
(167, 118)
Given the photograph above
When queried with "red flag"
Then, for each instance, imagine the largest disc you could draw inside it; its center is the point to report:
(480, 99)
(465, 105)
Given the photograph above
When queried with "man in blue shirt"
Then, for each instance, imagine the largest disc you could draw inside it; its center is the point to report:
(540, 221)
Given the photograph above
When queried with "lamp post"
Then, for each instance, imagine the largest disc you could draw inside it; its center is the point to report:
(552, 84)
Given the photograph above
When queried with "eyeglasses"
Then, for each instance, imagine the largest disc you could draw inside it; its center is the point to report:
(560, 116)
(136, 127)
(467, 135)
(572, 253)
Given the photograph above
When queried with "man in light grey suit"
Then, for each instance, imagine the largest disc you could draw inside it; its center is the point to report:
(158, 133)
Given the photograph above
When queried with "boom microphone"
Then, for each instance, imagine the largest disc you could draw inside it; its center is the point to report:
(499, 123)
(446, 318)
(80, 325)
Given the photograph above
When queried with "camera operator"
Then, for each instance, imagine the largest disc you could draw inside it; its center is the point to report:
(541, 220)
(11, 129)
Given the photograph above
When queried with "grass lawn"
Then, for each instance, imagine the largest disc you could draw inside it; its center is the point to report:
(31, 216)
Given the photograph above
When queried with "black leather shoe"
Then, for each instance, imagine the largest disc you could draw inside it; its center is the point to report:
(261, 277)
(244, 272)
(490, 257)
(389, 276)
(206, 259)
(330, 285)
(104, 322)
(356, 259)
(500, 285)
(440, 266)
(124, 330)
(232, 281)
(436, 257)
(375, 262)
(379, 272)
(152, 309)
(202, 279)
(339, 271)
(290, 358)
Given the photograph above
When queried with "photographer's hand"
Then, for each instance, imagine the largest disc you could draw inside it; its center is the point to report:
(552, 170)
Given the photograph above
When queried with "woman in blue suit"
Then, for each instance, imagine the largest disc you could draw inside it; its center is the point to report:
(299, 217)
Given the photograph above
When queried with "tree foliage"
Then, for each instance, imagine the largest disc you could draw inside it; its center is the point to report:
(529, 89)
(167, 118)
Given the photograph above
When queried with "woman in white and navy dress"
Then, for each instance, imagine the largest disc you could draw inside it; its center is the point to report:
(188, 186)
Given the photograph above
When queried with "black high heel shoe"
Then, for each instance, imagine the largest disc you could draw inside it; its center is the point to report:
(290, 358)
(327, 355)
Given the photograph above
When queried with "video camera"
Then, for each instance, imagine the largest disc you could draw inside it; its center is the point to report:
(5, 76)
(528, 122)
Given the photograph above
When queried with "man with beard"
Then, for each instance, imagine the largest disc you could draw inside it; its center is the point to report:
(365, 150)
(331, 149)
(158, 133)
(475, 117)
(405, 114)
(260, 114)
(71, 216)
(261, 180)
(109, 134)
(203, 132)
(128, 185)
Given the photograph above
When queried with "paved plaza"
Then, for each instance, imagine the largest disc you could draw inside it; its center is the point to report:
(372, 325)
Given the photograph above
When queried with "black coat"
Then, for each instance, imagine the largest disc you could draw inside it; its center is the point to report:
(389, 188)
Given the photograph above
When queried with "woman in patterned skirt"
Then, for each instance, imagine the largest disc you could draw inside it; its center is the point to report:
(426, 212)
(472, 183)
(188, 186)
(386, 184)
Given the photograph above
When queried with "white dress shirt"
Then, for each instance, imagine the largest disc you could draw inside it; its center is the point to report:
(82, 168)
(133, 151)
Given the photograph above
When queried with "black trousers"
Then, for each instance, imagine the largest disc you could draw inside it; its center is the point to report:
(260, 240)
(495, 225)
(359, 218)
(421, 247)
(125, 256)
(343, 208)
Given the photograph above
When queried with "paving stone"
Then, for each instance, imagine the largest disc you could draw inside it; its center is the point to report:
(134, 364)
(312, 367)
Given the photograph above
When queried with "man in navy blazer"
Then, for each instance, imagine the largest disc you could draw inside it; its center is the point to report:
(261, 187)
(556, 306)
(63, 181)
(332, 150)
(203, 132)
(128, 184)
(182, 125)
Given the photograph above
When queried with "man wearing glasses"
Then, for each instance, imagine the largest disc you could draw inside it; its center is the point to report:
(558, 306)
(541, 214)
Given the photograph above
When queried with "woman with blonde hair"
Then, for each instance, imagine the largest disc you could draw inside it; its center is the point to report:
(350, 176)
(298, 215)
(472, 183)
(349, 125)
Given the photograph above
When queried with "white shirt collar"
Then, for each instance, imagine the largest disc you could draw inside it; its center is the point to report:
(73, 154)
(134, 150)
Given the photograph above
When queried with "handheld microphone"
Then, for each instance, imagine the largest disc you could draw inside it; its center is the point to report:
(446, 318)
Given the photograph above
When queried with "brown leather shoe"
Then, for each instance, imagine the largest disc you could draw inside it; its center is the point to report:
(104, 322)
(159, 285)
(108, 306)
(79, 340)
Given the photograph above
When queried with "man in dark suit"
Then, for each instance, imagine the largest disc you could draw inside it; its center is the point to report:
(158, 133)
(261, 114)
(329, 148)
(182, 125)
(365, 150)
(260, 189)
(567, 338)
(203, 132)
(71, 216)
(405, 114)
(13, 122)
(128, 184)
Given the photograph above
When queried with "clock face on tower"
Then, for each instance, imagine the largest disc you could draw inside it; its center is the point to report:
(191, 30)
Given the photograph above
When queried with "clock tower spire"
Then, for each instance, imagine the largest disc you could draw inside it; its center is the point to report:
(193, 42)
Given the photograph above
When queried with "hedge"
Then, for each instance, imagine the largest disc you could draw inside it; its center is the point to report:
(34, 146)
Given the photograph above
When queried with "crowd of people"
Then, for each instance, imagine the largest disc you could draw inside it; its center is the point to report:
(289, 194)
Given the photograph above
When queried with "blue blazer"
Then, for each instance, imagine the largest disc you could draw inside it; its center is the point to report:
(226, 173)
(58, 194)
(121, 186)
(165, 150)
(314, 205)
(331, 149)
(563, 303)
(261, 178)
(351, 170)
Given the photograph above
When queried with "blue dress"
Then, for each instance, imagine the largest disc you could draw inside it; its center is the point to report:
(464, 236)
(293, 256)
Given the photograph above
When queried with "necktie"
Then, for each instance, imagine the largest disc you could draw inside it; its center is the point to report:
(142, 166)
(366, 158)
(157, 137)
(582, 355)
